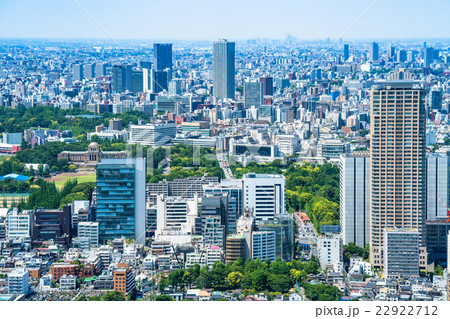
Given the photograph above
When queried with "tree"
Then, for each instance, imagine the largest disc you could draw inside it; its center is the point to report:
(438, 270)
(163, 298)
(95, 298)
(259, 280)
(113, 296)
(281, 283)
(234, 279)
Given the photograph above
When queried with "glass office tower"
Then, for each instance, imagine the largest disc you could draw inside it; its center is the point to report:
(121, 199)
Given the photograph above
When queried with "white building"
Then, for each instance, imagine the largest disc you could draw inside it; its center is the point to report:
(153, 134)
(264, 245)
(89, 230)
(288, 144)
(329, 251)
(18, 282)
(68, 282)
(355, 198)
(175, 212)
(19, 225)
(76, 206)
(265, 195)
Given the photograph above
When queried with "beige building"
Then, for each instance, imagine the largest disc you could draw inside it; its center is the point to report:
(397, 159)
(91, 156)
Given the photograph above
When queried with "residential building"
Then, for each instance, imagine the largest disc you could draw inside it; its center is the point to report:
(18, 282)
(68, 282)
(124, 279)
(329, 251)
(397, 159)
(89, 230)
(19, 225)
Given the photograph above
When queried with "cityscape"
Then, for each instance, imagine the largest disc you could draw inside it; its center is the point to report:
(255, 169)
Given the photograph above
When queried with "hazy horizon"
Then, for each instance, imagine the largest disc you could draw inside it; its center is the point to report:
(201, 20)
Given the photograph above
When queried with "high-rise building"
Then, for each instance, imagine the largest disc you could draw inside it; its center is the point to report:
(265, 194)
(397, 159)
(224, 69)
(401, 56)
(437, 186)
(253, 94)
(137, 78)
(401, 253)
(77, 71)
(121, 199)
(346, 53)
(428, 56)
(282, 226)
(89, 71)
(435, 98)
(121, 78)
(267, 82)
(159, 80)
(100, 69)
(391, 51)
(235, 248)
(162, 56)
(373, 53)
(124, 279)
(355, 198)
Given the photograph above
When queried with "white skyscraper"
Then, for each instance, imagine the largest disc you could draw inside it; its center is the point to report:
(355, 198)
(265, 194)
(19, 225)
(89, 230)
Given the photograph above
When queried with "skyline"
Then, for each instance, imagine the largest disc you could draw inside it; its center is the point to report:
(49, 19)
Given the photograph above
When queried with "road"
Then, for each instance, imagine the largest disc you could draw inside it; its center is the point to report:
(223, 162)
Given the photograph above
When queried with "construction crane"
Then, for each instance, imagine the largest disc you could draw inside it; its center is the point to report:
(445, 205)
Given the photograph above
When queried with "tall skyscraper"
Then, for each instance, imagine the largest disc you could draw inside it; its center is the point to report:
(89, 71)
(223, 69)
(373, 53)
(437, 186)
(428, 56)
(346, 54)
(162, 56)
(355, 198)
(435, 98)
(397, 159)
(122, 78)
(253, 94)
(78, 74)
(267, 82)
(121, 199)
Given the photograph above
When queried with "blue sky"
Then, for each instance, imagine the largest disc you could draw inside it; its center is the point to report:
(233, 19)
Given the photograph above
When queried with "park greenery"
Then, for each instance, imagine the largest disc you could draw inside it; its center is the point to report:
(252, 277)
(311, 188)
(79, 121)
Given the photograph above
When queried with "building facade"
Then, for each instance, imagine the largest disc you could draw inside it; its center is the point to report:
(355, 198)
(121, 199)
(224, 69)
(397, 159)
